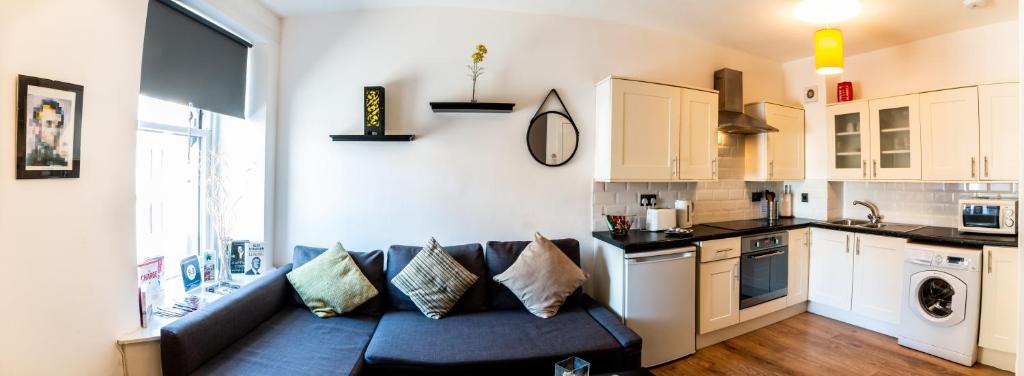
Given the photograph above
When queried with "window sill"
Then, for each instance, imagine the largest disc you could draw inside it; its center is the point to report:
(174, 294)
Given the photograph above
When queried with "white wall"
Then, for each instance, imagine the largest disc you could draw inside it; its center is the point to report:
(68, 244)
(985, 54)
(468, 177)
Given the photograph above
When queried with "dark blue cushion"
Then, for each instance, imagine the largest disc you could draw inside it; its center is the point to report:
(501, 255)
(296, 342)
(503, 342)
(470, 256)
(370, 263)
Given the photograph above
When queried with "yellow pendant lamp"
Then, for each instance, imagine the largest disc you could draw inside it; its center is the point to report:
(828, 51)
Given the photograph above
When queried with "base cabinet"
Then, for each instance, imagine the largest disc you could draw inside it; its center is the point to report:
(799, 258)
(831, 268)
(719, 295)
(877, 277)
(858, 273)
(999, 297)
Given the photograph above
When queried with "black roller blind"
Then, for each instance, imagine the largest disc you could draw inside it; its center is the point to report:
(189, 59)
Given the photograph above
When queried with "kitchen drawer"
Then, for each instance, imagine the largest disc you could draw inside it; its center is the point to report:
(719, 249)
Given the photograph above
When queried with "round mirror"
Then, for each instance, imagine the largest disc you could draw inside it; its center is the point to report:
(552, 138)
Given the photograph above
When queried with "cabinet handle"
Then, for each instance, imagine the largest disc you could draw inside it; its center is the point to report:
(989, 262)
(874, 167)
(847, 243)
(735, 273)
(973, 163)
(858, 246)
(714, 168)
(986, 166)
(675, 167)
(771, 169)
(864, 168)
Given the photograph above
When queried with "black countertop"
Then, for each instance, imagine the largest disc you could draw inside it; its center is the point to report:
(639, 241)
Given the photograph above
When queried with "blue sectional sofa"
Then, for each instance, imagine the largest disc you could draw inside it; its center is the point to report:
(264, 329)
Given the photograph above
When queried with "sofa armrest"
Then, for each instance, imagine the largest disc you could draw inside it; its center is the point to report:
(630, 341)
(196, 338)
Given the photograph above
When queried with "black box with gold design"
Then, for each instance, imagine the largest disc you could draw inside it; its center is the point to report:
(373, 110)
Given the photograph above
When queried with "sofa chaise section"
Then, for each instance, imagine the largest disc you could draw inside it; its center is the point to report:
(261, 330)
(492, 342)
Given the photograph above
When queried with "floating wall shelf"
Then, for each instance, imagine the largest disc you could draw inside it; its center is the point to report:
(361, 137)
(470, 107)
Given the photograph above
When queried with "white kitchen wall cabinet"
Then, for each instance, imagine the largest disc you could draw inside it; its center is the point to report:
(638, 126)
(999, 114)
(778, 155)
(849, 147)
(877, 276)
(831, 268)
(655, 132)
(999, 297)
(698, 136)
(799, 265)
(719, 301)
(895, 138)
(949, 135)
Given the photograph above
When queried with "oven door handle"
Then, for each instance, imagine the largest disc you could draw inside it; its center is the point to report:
(773, 254)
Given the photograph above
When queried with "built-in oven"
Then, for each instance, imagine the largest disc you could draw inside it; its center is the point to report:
(988, 216)
(764, 268)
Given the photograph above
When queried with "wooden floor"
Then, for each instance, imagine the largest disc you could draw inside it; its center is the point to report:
(808, 344)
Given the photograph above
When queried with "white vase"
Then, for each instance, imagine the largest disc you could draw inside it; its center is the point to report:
(224, 260)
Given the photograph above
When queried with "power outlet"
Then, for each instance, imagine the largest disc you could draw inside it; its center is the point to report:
(803, 197)
(756, 196)
(648, 200)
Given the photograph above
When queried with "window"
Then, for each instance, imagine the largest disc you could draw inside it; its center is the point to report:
(176, 145)
(171, 142)
(192, 136)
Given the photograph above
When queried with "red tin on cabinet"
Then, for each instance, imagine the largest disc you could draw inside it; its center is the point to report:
(844, 91)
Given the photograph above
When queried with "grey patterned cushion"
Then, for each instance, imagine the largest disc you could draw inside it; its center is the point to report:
(434, 280)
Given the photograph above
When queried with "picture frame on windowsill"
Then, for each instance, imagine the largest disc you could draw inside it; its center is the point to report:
(49, 129)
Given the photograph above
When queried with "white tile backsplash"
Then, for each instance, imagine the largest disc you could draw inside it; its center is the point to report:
(723, 200)
(933, 204)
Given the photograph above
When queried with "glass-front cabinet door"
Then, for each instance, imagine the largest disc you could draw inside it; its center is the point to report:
(849, 146)
(895, 138)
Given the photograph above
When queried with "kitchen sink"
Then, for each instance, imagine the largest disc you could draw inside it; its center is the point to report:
(897, 227)
(848, 222)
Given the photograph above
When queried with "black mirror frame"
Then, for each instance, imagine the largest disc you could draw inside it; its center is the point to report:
(576, 145)
(565, 114)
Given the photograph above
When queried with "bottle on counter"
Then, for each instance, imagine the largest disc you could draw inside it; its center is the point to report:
(786, 209)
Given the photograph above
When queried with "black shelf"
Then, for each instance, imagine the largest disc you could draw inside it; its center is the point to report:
(361, 137)
(471, 107)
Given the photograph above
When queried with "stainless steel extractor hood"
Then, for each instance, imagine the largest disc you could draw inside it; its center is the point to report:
(731, 118)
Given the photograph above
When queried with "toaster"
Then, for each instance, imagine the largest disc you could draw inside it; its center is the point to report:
(660, 219)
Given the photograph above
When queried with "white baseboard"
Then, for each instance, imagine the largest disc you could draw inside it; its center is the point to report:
(729, 332)
(852, 318)
(995, 358)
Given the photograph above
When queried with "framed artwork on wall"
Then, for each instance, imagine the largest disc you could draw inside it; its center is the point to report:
(49, 129)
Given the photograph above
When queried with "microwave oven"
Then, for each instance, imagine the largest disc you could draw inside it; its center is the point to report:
(988, 216)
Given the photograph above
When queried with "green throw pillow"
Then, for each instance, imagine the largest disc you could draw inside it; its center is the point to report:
(331, 284)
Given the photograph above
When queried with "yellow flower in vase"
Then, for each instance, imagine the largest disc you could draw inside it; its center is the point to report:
(476, 70)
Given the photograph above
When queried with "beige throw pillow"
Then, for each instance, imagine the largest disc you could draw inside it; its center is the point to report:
(542, 277)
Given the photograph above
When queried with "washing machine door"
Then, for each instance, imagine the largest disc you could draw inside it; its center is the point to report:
(938, 297)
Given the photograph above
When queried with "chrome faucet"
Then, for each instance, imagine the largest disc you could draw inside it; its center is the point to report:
(874, 217)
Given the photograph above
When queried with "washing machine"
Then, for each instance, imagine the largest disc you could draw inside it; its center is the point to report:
(941, 301)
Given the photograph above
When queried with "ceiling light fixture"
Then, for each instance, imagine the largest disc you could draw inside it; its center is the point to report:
(828, 51)
(827, 11)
